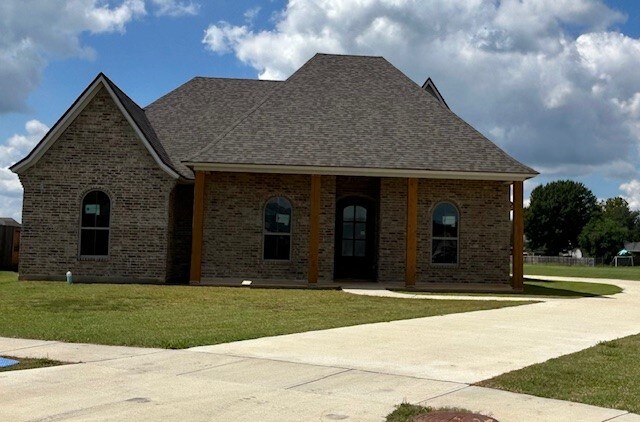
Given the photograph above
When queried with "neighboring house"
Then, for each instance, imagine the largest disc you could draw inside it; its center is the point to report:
(9, 244)
(346, 170)
(633, 248)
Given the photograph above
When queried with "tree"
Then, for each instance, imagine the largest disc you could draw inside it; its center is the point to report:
(617, 209)
(557, 213)
(603, 237)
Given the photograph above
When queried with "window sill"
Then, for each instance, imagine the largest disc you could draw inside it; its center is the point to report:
(276, 261)
(444, 265)
(93, 258)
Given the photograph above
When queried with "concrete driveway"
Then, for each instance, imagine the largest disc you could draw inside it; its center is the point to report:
(350, 373)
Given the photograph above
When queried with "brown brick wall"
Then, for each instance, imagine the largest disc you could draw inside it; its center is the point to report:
(392, 229)
(99, 150)
(233, 226)
(484, 231)
(357, 186)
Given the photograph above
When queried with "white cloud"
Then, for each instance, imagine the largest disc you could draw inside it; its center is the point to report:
(251, 14)
(35, 32)
(175, 8)
(12, 150)
(547, 79)
(632, 193)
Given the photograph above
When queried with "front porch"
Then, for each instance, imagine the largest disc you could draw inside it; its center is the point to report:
(403, 244)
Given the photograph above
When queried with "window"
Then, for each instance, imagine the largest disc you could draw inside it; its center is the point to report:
(94, 227)
(354, 231)
(444, 234)
(277, 229)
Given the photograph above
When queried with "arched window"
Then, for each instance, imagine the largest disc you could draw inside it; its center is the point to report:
(277, 229)
(444, 234)
(94, 226)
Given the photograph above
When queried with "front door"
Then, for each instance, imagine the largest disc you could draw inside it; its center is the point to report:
(355, 239)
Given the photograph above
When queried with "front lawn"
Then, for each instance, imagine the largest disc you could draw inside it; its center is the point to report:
(621, 273)
(183, 316)
(604, 375)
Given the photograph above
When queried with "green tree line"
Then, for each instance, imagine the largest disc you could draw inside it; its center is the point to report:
(564, 215)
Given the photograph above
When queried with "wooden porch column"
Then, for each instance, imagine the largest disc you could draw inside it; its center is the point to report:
(518, 234)
(412, 232)
(197, 228)
(314, 229)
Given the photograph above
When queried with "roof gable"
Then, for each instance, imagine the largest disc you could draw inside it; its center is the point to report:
(134, 115)
(356, 112)
(431, 88)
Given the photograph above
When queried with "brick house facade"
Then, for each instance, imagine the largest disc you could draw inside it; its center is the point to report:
(305, 180)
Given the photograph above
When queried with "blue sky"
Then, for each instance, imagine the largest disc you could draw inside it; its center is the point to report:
(554, 83)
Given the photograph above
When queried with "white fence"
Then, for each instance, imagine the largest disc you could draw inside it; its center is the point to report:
(560, 260)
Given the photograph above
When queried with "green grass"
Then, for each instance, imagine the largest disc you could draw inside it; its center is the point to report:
(406, 412)
(568, 289)
(557, 289)
(29, 363)
(183, 316)
(622, 273)
(605, 375)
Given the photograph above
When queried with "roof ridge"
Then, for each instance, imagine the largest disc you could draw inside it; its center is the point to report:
(349, 55)
(500, 150)
(248, 113)
(223, 78)
(447, 109)
(235, 124)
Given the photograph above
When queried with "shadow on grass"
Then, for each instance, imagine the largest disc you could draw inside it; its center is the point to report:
(568, 289)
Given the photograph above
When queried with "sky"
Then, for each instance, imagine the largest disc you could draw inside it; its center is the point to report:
(555, 83)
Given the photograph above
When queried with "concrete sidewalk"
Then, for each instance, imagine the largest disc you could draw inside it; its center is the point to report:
(354, 373)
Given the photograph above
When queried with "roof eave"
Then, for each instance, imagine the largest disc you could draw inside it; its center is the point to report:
(360, 171)
(71, 114)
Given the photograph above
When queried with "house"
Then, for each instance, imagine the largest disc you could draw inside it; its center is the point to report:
(346, 170)
(9, 243)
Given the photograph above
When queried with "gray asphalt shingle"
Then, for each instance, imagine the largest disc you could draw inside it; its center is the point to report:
(352, 111)
(193, 115)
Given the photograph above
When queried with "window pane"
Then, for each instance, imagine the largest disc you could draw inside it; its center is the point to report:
(361, 214)
(347, 230)
(102, 243)
(277, 215)
(361, 231)
(444, 251)
(96, 209)
(360, 248)
(277, 246)
(445, 221)
(347, 248)
(87, 241)
(348, 213)
(94, 242)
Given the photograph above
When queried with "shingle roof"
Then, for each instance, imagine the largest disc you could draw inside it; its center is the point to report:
(190, 117)
(350, 111)
(139, 117)
(8, 221)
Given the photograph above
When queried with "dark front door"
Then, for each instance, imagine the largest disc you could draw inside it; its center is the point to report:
(355, 239)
